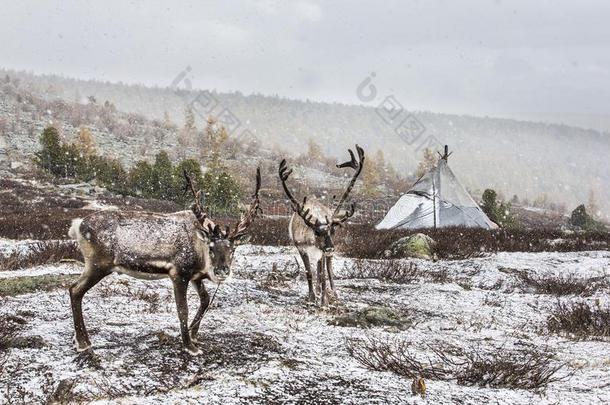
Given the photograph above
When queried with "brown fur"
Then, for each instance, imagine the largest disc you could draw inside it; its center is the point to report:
(150, 246)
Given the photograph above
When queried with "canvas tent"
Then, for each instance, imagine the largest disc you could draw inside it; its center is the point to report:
(436, 200)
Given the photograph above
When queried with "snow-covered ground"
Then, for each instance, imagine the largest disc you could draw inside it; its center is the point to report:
(263, 343)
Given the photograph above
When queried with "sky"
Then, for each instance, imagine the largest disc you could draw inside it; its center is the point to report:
(523, 59)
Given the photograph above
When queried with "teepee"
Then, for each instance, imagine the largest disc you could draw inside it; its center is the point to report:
(436, 200)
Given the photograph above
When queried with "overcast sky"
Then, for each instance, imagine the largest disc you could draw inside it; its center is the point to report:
(492, 57)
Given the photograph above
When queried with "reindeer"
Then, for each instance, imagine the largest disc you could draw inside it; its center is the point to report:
(313, 232)
(184, 246)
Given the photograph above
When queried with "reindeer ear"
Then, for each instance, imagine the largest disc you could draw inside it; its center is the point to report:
(217, 230)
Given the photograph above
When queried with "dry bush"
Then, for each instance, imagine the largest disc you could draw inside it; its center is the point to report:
(152, 299)
(40, 253)
(569, 284)
(269, 232)
(280, 278)
(9, 328)
(524, 369)
(384, 355)
(396, 271)
(440, 276)
(373, 316)
(529, 369)
(30, 212)
(580, 320)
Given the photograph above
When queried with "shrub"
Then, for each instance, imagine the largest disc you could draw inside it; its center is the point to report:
(371, 317)
(529, 369)
(40, 253)
(9, 327)
(580, 320)
(582, 220)
(516, 369)
(497, 212)
(385, 355)
(563, 284)
(396, 271)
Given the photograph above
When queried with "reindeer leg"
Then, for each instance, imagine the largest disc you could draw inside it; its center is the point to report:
(204, 299)
(319, 277)
(331, 276)
(307, 264)
(90, 277)
(180, 288)
(322, 271)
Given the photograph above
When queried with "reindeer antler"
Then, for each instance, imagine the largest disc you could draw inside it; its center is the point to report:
(248, 217)
(357, 166)
(197, 207)
(297, 207)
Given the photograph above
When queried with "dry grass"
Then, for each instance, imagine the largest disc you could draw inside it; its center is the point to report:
(580, 320)
(25, 285)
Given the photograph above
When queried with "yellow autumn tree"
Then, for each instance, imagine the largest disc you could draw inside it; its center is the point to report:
(428, 161)
(85, 142)
(216, 135)
(314, 151)
(371, 175)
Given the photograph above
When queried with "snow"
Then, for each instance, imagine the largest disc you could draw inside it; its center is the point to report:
(24, 246)
(266, 344)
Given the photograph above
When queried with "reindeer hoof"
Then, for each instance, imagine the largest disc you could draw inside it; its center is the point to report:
(192, 350)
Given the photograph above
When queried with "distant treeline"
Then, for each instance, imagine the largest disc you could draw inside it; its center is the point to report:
(160, 180)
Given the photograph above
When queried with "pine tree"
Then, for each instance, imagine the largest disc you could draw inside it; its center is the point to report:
(498, 212)
(163, 177)
(141, 179)
(50, 158)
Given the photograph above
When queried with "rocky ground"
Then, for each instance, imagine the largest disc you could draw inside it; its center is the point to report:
(263, 343)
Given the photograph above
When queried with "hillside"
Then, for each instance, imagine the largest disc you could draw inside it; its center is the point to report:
(528, 159)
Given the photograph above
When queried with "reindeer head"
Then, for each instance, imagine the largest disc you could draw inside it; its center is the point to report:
(324, 229)
(222, 243)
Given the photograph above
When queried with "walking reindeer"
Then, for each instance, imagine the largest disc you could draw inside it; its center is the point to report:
(312, 227)
(184, 246)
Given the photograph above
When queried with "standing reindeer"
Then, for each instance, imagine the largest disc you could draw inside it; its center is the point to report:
(184, 246)
(312, 233)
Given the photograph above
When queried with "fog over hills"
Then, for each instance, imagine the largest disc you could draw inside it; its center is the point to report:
(528, 159)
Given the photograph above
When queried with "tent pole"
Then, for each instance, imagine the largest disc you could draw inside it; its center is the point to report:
(434, 200)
